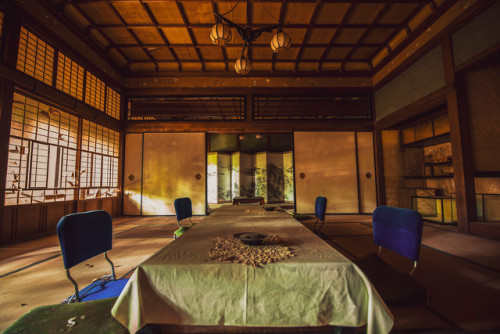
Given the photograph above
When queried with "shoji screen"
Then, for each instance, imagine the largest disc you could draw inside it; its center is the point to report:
(325, 165)
(173, 166)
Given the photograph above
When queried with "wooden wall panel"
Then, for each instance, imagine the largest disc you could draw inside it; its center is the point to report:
(55, 212)
(28, 221)
(482, 87)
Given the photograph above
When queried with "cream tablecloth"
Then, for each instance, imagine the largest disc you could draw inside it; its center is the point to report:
(319, 286)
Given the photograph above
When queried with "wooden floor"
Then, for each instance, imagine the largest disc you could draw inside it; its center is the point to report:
(462, 273)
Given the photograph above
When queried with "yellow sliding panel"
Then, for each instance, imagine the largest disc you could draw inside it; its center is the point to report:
(174, 166)
(325, 165)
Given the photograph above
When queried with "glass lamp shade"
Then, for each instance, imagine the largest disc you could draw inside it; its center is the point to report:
(242, 65)
(281, 42)
(220, 34)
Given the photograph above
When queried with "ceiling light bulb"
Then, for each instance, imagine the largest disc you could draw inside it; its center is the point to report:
(220, 34)
(281, 42)
(242, 65)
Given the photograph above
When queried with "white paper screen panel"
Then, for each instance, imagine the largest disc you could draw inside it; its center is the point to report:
(325, 165)
(173, 167)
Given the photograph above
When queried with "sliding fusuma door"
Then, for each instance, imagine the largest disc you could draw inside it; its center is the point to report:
(173, 165)
(337, 165)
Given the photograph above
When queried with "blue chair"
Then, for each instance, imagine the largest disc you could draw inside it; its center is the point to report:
(399, 230)
(183, 210)
(319, 212)
(82, 236)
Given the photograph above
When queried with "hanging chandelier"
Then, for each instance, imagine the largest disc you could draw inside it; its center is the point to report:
(221, 35)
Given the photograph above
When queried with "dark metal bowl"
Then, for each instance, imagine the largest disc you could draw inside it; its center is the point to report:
(251, 238)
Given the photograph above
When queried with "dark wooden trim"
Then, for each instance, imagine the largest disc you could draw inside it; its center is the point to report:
(10, 39)
(469, 14)
(415, 109)
(462, 158)
(379, 167)
(239, 91)
(487, 230)
(284, 74)
(6, 96)
(249, 127)
(56, 98)
(60, 44)
(449, 73)
(491, 53)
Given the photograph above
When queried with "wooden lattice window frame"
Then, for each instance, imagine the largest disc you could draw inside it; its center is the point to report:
(113, 103)
(70, 76)
(42, 153)
(95, 91)
(99, 161)
(35, 57)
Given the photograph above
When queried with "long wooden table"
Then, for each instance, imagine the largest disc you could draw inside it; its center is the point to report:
(181, 285)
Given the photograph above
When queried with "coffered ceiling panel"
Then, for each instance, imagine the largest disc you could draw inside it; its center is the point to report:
(329, 37)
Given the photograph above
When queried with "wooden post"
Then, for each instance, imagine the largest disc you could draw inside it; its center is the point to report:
(460, 143)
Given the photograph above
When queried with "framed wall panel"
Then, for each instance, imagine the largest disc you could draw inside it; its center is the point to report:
(132, 174)
(325, 165)
(366, 172)
(173, 166)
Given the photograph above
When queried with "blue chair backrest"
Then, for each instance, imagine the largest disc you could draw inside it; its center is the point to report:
(399, 230)
(183, 208)
(84, 235)
(320, 208)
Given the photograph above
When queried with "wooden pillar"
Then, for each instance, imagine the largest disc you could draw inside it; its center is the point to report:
(9, 46)
(460, 143)
(379, 165)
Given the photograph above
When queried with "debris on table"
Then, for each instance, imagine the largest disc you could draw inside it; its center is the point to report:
(229, 248)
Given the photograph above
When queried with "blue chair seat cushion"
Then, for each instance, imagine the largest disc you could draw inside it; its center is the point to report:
(102, 289)
(394, 287)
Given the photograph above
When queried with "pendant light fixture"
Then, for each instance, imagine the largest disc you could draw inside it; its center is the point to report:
(281, 42)
(221, 35)
(243, 64)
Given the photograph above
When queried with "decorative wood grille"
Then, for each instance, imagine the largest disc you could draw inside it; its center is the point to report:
(95, 91)
(187, 108)
(99, 161)
(35, 57)
(42, 156)
(310, 107)
(42, 153)
(113, 103)
(70, 76)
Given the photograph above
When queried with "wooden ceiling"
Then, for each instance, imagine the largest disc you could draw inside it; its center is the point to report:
(171, 37)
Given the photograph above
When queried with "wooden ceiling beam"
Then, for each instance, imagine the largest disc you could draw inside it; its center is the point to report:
(255, 26)
(162, 35)
(223, 50)
(347, 15)
(252, 1)
(168, 61)
(315, 45)
(181, 10)
(284, 4)
(404, 25)
(308, 32)
(86, 17)
(379, 15)
(132, 33)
